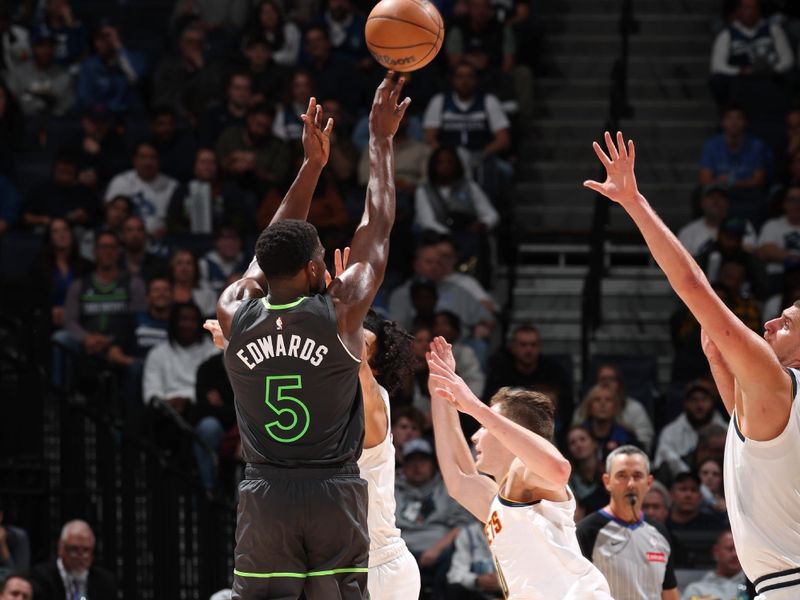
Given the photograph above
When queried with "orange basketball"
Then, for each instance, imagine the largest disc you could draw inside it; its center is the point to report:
(404, 35)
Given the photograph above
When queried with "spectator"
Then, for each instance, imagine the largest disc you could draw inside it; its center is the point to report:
(41, 86)
(710, 474)
(634, 415)
(187, 285)
(710, 443)
(218, 17)
(448, 325)
(750, 47)
(224, 260)
(726, 580)
(136, 259)
(206, 201)
(586, 479)
(231, 112)
(215, 414)
(14, 44)
(270, 79)
(334, 75)
(600, 413)
(450, 203)
(9, 205)
(522, 364)
(101, 151)
(60, 264)
(448, 254)
(687, 515)
(73, 574)
(69, 33)
(287, 124)
(657, 503)
(731, 276)
(407, 424)
(779, 241)
(472, 574)
(421, 400)
(699, 235)
(16, 587)
(252, 155)
(117, 211)
(12, 126)
(634, 554)
(186, 80)
(679, 438)
(344, 153)
(15, 548)
(481, 40)
(176, 149)
(283, 36)
(346, 31)
(63, 196)
(110, 75)
(429, 520)
(149, 189)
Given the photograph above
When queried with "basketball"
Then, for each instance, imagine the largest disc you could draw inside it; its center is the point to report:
(404, 35)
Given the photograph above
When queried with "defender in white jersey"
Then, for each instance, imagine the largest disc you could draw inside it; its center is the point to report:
(529, 515)
(757, 379)
(393, 572)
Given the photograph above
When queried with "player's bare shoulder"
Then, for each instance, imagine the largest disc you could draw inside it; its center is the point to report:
(524, 486)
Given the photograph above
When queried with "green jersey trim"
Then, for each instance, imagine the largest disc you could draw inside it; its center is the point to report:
(301, 575)
(269, 306)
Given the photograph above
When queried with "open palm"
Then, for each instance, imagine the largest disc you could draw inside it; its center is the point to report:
(620, 184)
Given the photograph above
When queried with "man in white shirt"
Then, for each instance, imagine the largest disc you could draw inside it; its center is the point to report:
(147, 187)
(698, 235)
(779, 242)
(726, 580)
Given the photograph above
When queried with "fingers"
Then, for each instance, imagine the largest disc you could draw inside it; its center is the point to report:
(632, 153)
(601, 155)
(593, 185)
(612, 149)
(385, 87)
(329, 127)
(312, 110)
(623, 153)
(346, 256)
(398, 87)
(318, 117)
(337, 261)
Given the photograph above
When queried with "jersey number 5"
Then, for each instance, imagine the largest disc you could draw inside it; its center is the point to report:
(291, 415)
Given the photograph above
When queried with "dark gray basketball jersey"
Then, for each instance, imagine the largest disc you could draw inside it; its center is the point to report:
(297, 394)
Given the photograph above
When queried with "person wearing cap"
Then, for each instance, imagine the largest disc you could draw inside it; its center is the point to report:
(698, 235)
(679, 438)
(41, 85)
(428, 518)
(779, 242)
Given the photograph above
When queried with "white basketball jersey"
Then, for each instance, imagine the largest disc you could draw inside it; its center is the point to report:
(377, 468)
(537, 554)
(762, 492)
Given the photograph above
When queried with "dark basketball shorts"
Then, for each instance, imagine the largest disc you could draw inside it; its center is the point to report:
(301, 530)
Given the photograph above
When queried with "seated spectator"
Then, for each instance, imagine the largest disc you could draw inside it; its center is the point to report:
(472, 574)
(58, 21)
(215, 415)
(345, 29)
(450, 203)
(186, 80)
(110, 75)
(187, 284)
(522, 364)
(229, 113)
(657, 503)
(224, 260)
(779, 241)
(634, 415)
(428, 518)
(343, 160)
(149, 189)
(448, 253)
(136, 259)
(101, 150)
(729, 247)
(678, 439)
(58, 265)
(699, 235)
(9, 205)
(251, 155)
(12, 127)
(600, 413)
(731, 276)
(176, 148)
(219, 18)
(16, 587)
(710, 474)
(288, 125)
(14, 43)
(334, 75)
(687, 503)
(206, 201)
(750, 47)
(448, 325)
(15, 548)
(586, 479)
(790, 294)
(63, 196)
(408, 424)
(269, 78)
(710, 443)
(117, 210)
(73, 574)
(726, 580)
(268, 23)
(42, 86)
(421, 401)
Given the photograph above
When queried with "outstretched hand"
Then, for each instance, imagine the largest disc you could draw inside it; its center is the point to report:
(620, 184)
(316, 139)
(444, 383)
(213, 327)
(386, 113)
(340, 260)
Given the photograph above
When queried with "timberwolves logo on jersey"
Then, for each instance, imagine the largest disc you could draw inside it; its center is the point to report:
(271, 346)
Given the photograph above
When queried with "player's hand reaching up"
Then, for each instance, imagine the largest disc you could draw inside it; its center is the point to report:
(386, 112)
(316, 139)
(444, 383)
(620, 184)
(340, 260)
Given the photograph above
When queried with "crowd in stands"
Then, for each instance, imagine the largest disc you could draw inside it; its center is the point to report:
(146, 170)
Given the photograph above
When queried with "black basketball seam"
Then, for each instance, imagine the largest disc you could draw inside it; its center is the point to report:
(400, 47)
(424, 6)
(387, 18)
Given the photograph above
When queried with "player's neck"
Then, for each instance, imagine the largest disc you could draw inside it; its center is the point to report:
(284, 291)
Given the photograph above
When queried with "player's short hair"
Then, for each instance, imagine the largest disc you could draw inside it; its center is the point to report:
(285, 247)
(627, 450)
(393, 356)
(532, 410)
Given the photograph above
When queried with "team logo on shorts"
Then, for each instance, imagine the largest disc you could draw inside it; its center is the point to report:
(279, 324)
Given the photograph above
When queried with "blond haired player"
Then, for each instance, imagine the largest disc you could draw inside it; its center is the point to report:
(528, 509)
(757, 379)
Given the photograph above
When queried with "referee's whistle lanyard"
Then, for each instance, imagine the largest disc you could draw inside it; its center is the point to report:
(628, 523)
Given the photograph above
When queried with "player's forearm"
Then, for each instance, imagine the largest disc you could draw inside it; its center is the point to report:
(297, 201)
(455, 459)
(725, 382)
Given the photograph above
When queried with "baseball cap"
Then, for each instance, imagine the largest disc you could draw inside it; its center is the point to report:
(734, 225)
(716, 187)
(417, 446)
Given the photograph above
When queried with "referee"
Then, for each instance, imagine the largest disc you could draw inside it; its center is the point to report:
(632, 552)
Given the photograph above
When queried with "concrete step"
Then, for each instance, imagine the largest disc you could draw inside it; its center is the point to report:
(567, 171)
(608, 44)
(643, 109)
(549, 89)
(607, 23)
(588, 65)
(640, 7)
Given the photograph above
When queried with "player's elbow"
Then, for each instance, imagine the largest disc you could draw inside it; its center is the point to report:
(561, 472)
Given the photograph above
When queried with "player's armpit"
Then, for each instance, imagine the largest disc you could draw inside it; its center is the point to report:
(232, 297)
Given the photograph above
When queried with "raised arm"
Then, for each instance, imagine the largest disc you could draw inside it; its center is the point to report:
(723, 378)
(765, 386)
(465, 485)
(354, 291)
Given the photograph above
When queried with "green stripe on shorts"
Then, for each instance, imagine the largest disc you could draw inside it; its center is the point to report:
(301, 575)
